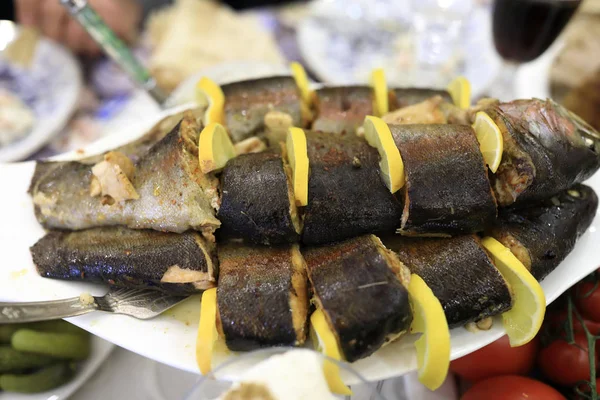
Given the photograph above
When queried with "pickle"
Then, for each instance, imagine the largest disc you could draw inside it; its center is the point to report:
(59, 345)
(12, 360)
(45, 379)
(57, 326)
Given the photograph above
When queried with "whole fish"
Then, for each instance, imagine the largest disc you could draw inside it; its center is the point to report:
(179, 264)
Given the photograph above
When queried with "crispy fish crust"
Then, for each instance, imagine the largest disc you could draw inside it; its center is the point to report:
(541, 236)
(174, 194)
(546, 150)
(178, 264)
(342, 109)
(248, 102)
(262, 296)
(257, 204)
(447, 188)
(360, 286)
(403, 97)
(459, 272)
(346, 195)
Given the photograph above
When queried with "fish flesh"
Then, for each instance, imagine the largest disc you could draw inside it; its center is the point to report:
(346, 195)
(447, 189)
(342, 109)
(174, 195)
(178, 264)
(247, 103)
(262, 296)
(257, 202)
(403, 97)
(541, 236)
(460, 273)
(362, 289)
(547, 149)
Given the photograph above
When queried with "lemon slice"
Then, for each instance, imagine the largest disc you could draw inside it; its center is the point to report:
(207, 330)
(380, 92)
(378, 135)
(523, 321)
(490, 140)
(302, 83)
(208, 92)
(433, 347)
(214, 148)
(327, 344)
(298, 158)
(460, 91)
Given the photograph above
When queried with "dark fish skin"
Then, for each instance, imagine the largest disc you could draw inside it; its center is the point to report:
(247, 103)
(346, 195)
(447, 188)
(174, 194)
(257, 202)
(262, 296)
(129, 258)
(342, 109)
(542, 235)
(459, 272)
(546, 150)
(403, 97)
(357, 284)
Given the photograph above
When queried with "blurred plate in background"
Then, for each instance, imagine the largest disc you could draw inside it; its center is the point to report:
(50, 88)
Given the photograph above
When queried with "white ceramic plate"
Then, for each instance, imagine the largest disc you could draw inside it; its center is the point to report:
(100, 350)
(171, 338)
(56, 97)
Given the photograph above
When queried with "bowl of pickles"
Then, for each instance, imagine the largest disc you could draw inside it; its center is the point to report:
(40, 356)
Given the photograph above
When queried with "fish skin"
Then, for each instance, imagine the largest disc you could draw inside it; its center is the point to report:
(126, 257)
(247, 103)
(174, 195)
(548, 231)
(447, 189)
(253, 296)
(255, 201)
(360, 293)
(403, 97)
(342, 110)
(459, 272)
(550, 148)
(345, 186)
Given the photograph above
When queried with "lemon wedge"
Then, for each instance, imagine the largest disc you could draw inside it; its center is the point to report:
(378, 135)
(523, 321)
(460, 91)
(298, 158)
(208, 92)
(327, 344)
(380, 92)
(490, 140)
(433, 347)
(214, 148)
(302, 83)
(207, 330)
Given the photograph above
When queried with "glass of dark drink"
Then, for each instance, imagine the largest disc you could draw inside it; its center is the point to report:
(523, 30)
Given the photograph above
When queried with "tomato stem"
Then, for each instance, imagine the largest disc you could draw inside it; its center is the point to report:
(591, 341)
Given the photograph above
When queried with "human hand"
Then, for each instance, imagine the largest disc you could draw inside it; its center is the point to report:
(54, 21)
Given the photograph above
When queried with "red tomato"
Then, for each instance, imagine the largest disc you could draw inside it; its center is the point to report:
(557, 323)
(566, 364)
(511, 387)
(587, 300)
(497, 358)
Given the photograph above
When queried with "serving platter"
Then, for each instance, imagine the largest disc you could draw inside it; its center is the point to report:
(171, 338)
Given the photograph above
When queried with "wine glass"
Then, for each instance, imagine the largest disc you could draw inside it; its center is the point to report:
(218, 381)
(523, 30)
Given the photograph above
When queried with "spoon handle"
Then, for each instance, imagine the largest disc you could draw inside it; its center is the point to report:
(114, 47)
(15, 313)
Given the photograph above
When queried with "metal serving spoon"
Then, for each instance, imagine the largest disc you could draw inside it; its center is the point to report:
(138, 303)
